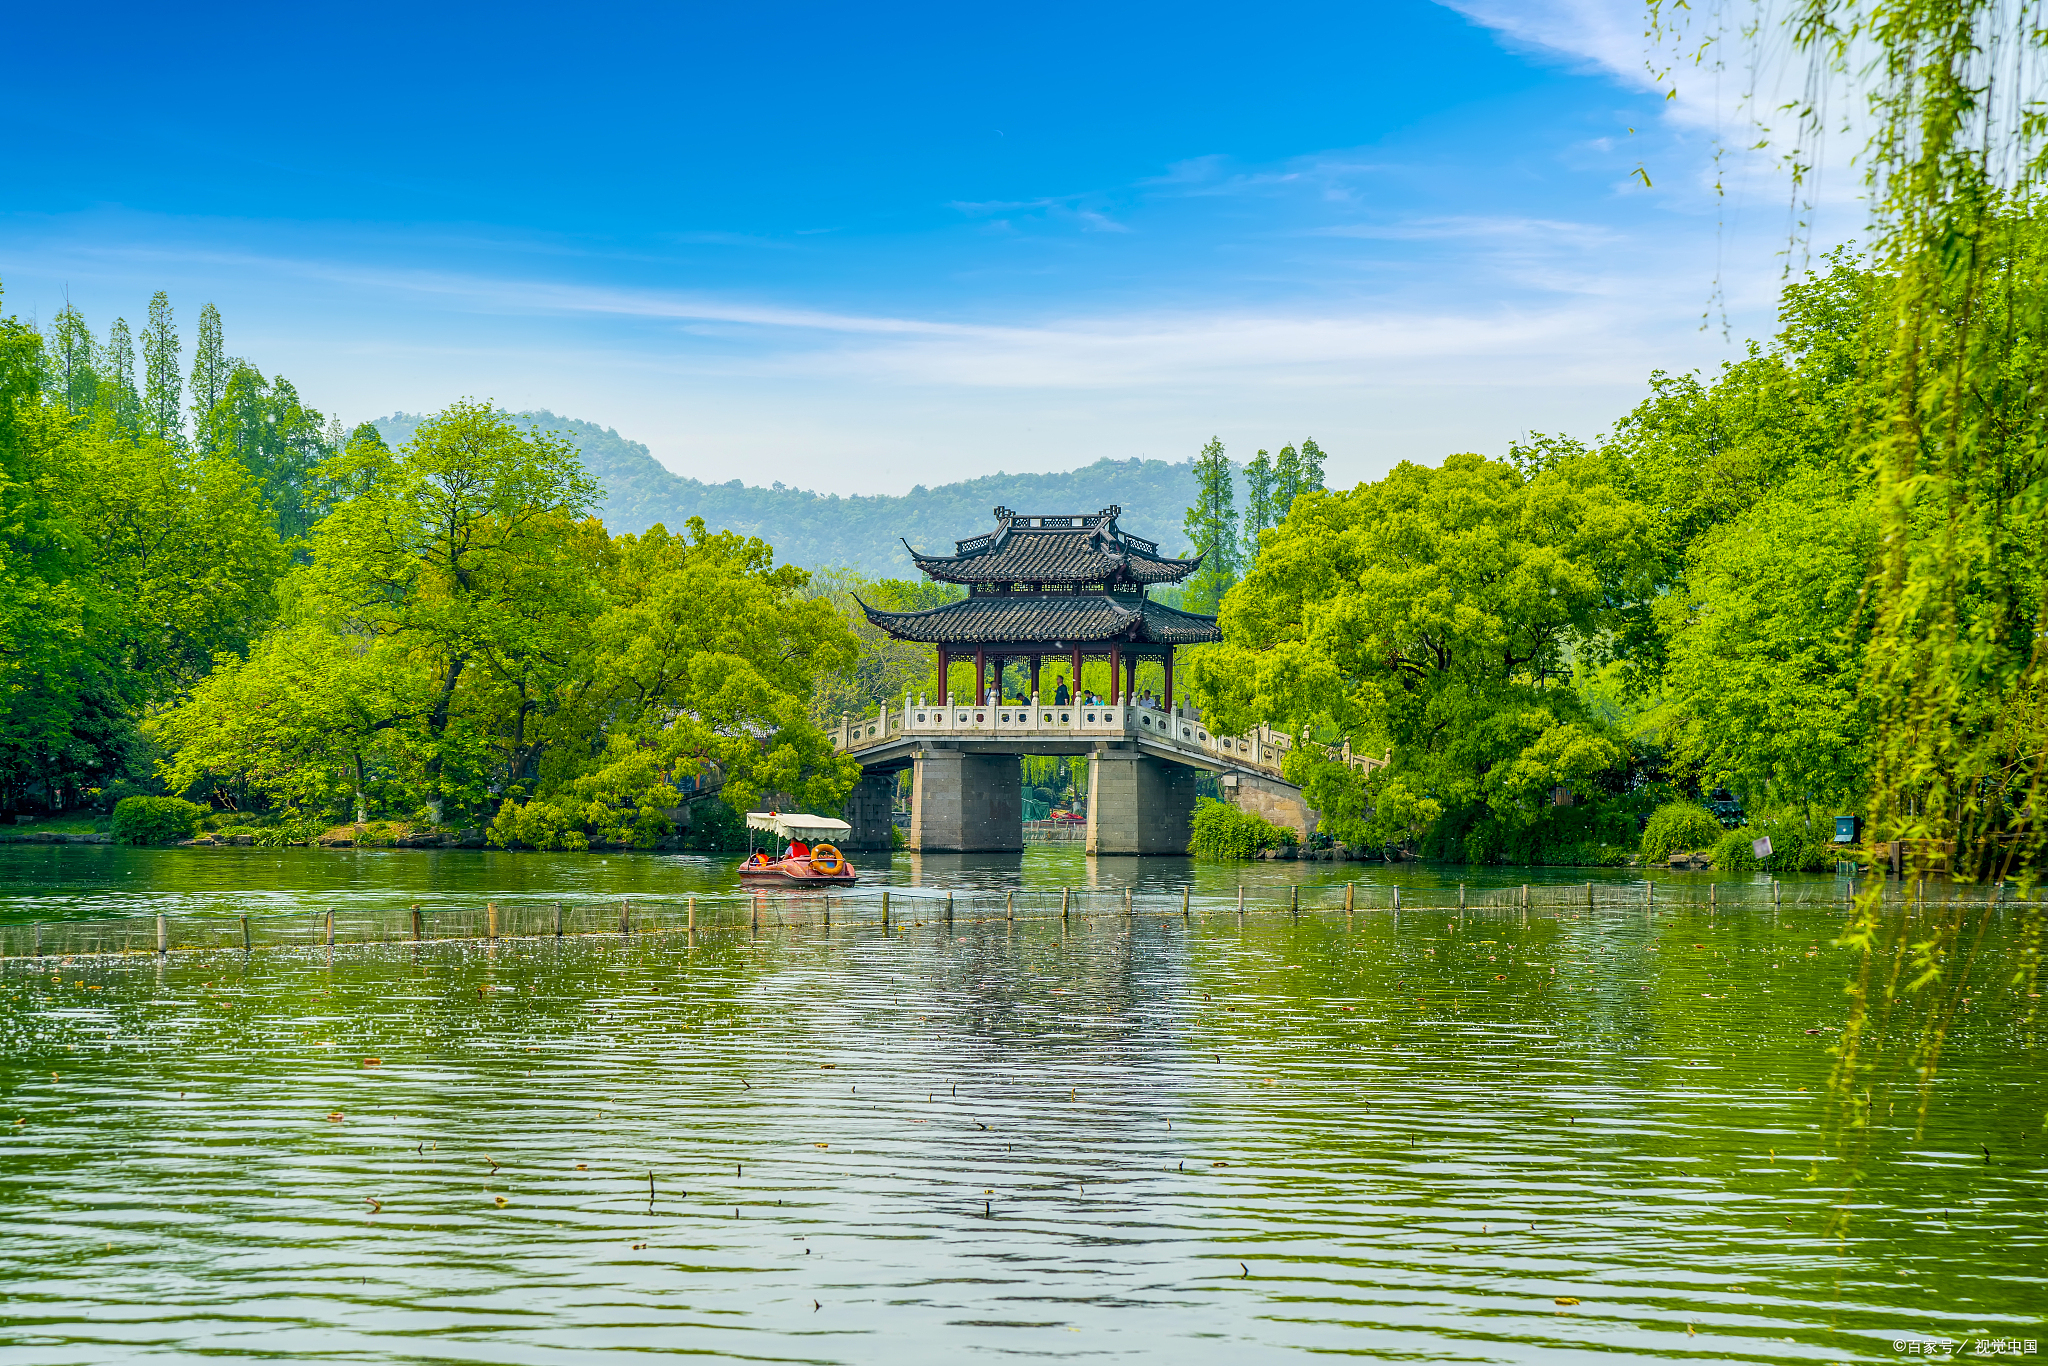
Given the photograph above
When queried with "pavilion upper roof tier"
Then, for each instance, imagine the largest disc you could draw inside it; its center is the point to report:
(1056, 621)
(1071, 549)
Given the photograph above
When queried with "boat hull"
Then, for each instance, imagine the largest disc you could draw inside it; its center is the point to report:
(793, 872)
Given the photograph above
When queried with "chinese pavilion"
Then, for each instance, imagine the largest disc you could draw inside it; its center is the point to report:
(1065, 587)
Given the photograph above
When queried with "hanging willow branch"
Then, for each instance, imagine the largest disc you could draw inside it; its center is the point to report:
(1950, 98)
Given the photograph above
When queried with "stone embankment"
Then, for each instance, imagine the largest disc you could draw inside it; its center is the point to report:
(52, 837)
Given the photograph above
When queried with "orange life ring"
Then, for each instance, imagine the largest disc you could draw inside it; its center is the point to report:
(827, 860)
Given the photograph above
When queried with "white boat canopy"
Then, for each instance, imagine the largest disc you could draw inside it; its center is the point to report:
(795, 825)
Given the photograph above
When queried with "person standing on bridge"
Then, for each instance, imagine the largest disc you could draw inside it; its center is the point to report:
(1060, 694)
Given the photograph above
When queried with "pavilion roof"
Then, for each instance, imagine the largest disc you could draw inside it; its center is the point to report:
(1074, 548)
(1056, 620)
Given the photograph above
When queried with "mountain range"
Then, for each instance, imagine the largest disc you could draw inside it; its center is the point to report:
(864, 532)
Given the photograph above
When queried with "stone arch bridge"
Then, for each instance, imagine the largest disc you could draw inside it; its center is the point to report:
(966, 787)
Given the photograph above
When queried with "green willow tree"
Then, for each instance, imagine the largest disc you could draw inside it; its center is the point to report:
(1952, 445)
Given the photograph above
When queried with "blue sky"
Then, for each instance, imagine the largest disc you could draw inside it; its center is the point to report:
(857, 249)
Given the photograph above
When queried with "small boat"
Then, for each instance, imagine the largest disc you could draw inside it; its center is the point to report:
(807, 858)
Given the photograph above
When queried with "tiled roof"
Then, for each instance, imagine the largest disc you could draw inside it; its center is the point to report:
(1057, 620)
(1080, 548)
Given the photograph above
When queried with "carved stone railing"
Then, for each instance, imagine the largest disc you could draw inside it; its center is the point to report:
(1262, 750)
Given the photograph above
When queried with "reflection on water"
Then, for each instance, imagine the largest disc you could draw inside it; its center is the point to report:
(1394, 1137)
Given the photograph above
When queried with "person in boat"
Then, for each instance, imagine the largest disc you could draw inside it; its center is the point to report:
(1060, 694)
(798, 849)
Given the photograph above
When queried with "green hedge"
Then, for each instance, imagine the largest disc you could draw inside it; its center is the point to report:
(156, 820)
(1221, 831)
(1679, 828)
(1794, 848)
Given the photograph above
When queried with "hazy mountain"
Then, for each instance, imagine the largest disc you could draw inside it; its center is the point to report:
(861, 532)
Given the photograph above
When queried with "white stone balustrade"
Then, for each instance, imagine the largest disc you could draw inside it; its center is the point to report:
(1263, 749)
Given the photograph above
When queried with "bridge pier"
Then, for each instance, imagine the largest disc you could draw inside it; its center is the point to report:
(870, 809)
(966, 803)
(1138, 804)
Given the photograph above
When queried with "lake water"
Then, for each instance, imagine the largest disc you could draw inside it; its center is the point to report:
(1394, 1136)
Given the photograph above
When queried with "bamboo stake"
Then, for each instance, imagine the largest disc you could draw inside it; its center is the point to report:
(1350, 893)
(949, 910)
(558, 920)
(490, 919)
(1185, 915)
(1010, 905)
(245, 934)
(1063, 904)
(885, 912)
(163, 936)
(330, 928)
(625, 917)
(1240, 905)
(418, 925)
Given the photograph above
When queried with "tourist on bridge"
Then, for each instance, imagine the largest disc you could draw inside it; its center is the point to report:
(1060, 695)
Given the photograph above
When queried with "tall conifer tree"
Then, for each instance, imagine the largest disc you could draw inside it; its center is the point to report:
(210, 368)
(162, 386)
(120, 389)
(1212, 525)
(72, 374)
(1258, 503)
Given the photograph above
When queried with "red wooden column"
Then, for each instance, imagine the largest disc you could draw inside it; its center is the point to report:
(1074, 683)
(1116, 671)
(980, 675)
(945, 662)
(1169, 680)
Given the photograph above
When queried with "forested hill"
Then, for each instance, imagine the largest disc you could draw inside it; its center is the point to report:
(821, 530)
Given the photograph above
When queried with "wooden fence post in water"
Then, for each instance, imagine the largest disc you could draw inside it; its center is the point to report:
(1525, 896)
(245, 934)
(1064, 893)
(1461, 896)
(757, 913)
(1589, 896)
(558, 920)
(418, 926)
(163, 937)
(1711, 899)
(39, 939)
(1777, 894)
(1350, 896)
(1240, 905)
(490, 920)
(1185, 915)
(885, 910)
(330, 929)
(949, 910)
(1397, 898)
(625, 917)
(1127, 902)
(1009, 905)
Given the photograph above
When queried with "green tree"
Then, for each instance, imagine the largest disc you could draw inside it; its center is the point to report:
(210, 367)
(1258, 504)
(71, 375)
(278, 440)
(119, 392)
(1768, 636)
(1211, 524)
(1438, 614)
(162, 387)
(460, 549)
